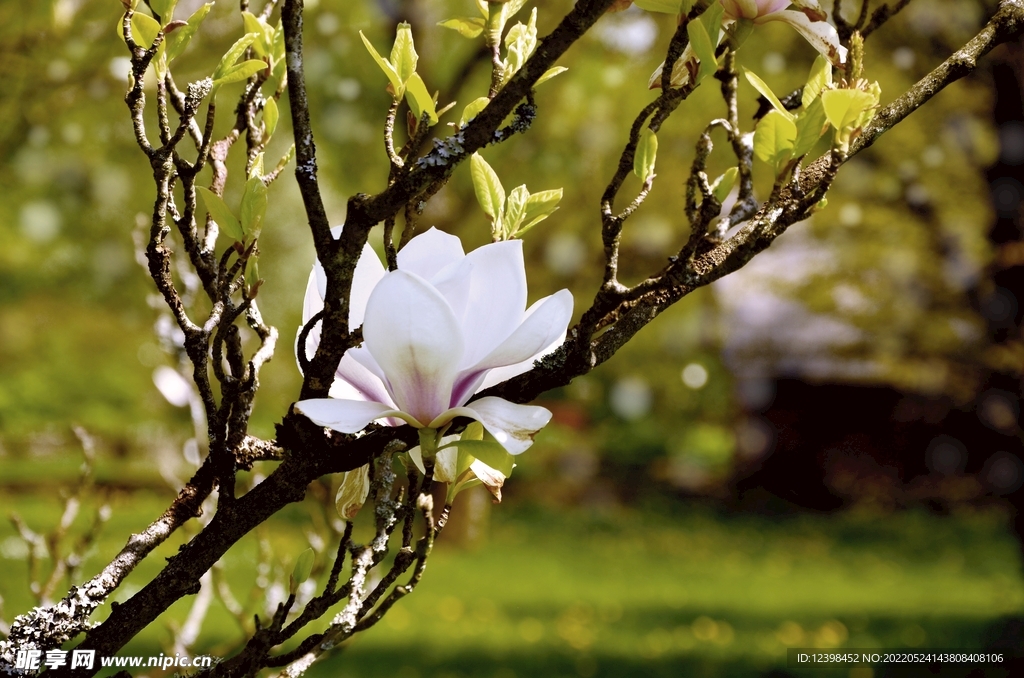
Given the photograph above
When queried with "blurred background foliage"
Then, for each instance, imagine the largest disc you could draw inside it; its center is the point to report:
(889, 288)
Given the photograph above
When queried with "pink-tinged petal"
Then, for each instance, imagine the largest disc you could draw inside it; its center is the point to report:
(429, 252)
(545, 322)
(363, 376)
(821, 34)
(348, 416)
(732, 8)
(497, 298)
(413, 336)
(771, 6)
(512, 425)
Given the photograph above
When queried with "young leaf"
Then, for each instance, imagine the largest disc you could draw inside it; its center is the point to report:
(397, 84)
(240, 72)
(467, 27)
(165, 8)
(774, 138)
(490, 453)
(263, 45)
(515, 208)
(767, 93)
(419, 98)
(303, 568)
(550, 73)
(270, 117)
(712, 20)
(810, 126)
(723, 184)
(539, 207)
(700, 41)
(144, 29)
(178, 40)
(646, 155)
(254, 206)
(661, 6)
(221, 214)
(403, 52)
(819, 78)
(232, 55)
(257, 166)
(252, 272)
(520, 43)
(472, 110)
(488, 189)
(844, 106)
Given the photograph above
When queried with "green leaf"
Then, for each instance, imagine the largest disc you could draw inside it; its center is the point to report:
(767, 93)
(810, 126)
(263, 45)
(662, 6)
(270, 117)
(232, 55)
(165, 8)
(252, 272)
(403, 52)
(419, 98)
(467, 27)
(254, 207)
(178, 40)
(303, 568)
(539, 207)
(550, 73)
(723, 184)
(257, 166)
(488, 189)
(397, 86)
(844, 106)
(712, 20)
(490, 453)
(240, 72)
(646, 155)
(473, 109)
(515, 209)
(221, 214)
(144, 29)
(820, 77)
(774, 138)
(520, 43)
(700, 41)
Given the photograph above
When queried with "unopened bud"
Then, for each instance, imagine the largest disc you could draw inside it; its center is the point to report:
(355, 487)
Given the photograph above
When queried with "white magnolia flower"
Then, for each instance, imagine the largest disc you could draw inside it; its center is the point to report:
(808, 19)
(437, 330)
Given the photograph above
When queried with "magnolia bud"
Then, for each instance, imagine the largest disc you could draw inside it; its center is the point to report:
(355, 487)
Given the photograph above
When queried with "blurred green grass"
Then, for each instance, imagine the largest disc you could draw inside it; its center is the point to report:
(626, 592)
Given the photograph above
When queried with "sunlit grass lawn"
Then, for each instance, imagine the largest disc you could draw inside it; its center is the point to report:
(629, 593)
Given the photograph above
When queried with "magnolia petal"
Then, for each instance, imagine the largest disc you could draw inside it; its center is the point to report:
(811, 8)
(742, 9)
(492, 479)
(413, 336)
(348, 416)
(429, 252)
(497, 298)
(454, 282)
(364, 377)
(770, 6)
(512, 425)
(446, 465)
(352, 492)
(545, 322)
(682, 70)
(821, 34)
